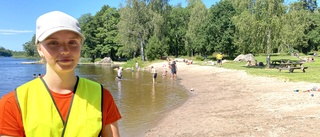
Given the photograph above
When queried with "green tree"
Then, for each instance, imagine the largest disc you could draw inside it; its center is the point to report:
(263, 19)
(133, 28)
(30, 48)
(106, 20)
(245, 27)
(160, 11)
(178, 23)
(153, 48)
(268, 14)
(314, 31)
(196, 33)
(88, 27)
(292, 34)
(221, 28)
(306, 24)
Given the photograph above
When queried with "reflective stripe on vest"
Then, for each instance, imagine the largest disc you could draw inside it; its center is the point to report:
(40, 115)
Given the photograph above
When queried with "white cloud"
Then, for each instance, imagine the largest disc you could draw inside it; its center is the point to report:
(13, 32)
(5, 33)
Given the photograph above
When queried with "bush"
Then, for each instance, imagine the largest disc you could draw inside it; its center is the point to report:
(312, 53)
(211, 57)
(199, 58)
(97, 59)
(85, 60)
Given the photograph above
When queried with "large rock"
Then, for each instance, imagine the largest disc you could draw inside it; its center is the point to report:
(106, 60)
(247, 57)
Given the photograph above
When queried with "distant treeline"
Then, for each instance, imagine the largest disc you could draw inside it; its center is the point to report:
(9, 53)
(153, 29)
(5, 52)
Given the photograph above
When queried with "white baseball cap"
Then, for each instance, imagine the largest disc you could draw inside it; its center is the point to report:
(55, 21)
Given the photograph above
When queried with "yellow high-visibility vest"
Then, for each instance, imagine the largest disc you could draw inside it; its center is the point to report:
(219, 56)
(41, 117)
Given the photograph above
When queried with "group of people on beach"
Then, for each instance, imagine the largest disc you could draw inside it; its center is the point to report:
(172, 65)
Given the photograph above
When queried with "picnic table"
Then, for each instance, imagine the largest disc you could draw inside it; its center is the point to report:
(278, 62)
(292, 66)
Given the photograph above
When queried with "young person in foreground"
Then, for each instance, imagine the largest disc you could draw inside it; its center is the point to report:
(59, 103)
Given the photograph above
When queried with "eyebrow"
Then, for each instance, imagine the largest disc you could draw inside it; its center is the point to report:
(73, 37)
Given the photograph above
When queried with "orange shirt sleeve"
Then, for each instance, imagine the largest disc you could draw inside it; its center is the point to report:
(10, 116)
(110, 110)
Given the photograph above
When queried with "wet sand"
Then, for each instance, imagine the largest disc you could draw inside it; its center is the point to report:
(227, 102)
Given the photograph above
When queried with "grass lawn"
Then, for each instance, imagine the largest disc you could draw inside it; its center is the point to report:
(311, 74)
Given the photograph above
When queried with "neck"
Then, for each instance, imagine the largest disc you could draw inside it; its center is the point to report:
(62, 83)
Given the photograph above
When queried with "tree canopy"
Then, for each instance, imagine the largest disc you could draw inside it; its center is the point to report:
(152, 29)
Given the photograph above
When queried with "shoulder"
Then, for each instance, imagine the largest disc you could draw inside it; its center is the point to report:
(9, 97)
(8, 102)
(10, 116)
(107, 97)
(106, 93)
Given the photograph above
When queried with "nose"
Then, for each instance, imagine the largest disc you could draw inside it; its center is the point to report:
(64, 49)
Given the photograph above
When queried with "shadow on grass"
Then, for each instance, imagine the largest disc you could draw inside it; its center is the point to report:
(255, 67)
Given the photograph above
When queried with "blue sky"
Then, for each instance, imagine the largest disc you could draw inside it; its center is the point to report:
(18, 17)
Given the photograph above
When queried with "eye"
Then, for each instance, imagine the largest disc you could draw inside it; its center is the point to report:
(52, 43)
(72, 42)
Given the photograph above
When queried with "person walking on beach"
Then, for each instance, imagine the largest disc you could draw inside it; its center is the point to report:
(173, 67)
(219, 59)
(154, 74)
(59, 103)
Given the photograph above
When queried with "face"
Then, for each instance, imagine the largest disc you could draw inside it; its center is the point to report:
(61, 51)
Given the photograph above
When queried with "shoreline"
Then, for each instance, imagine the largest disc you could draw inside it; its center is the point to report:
(228, 102)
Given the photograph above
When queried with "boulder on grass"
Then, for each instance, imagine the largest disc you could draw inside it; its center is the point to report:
(245, 58)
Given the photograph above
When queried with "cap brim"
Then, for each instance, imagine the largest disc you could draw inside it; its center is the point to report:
(54, 30)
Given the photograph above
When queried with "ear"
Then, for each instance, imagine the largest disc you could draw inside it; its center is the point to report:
(39, 48)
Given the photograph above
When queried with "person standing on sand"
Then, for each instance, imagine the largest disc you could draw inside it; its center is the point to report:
(219, 59)
(154, 72)
(59, 103)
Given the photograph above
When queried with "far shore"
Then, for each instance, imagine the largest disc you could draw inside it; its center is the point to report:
(226, 102)
(32, 62)
(112, 63)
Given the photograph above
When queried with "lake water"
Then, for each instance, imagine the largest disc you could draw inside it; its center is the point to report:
(141, 103)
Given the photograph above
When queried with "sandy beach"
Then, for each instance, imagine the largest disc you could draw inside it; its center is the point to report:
(227, 102)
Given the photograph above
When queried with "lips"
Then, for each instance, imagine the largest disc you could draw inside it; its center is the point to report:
(65, 60)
